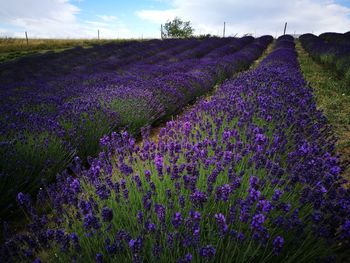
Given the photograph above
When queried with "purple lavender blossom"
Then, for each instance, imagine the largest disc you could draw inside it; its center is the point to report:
(221, 223)
(107, 214)
(99, 258)
(207, 252)
(177, 220)
(198, 198)
(278, 243)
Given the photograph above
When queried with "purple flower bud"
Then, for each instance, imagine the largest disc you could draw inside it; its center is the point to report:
(150, 227)
(107, 214)
(221, 223)
(187, 128)
(159, 162)
(160, 211)
(23, 200)
(278, 244)
(207, 252)
(277, 195)
(257, 221)
(198, 198)
(254, 182)
(223, 192)
(99, 258)
(148, 175)
(177, 219)
(135, 245)
(264, 206)
(75, 185)
(345, 230)
(139, 217)
(91, 222)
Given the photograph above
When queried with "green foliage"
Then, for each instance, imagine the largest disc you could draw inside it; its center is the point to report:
(178, 29)
(203, 36)
(39, 154)
(131, 116)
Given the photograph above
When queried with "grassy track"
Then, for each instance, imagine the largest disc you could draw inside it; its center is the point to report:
(333, 98)
(263, 56)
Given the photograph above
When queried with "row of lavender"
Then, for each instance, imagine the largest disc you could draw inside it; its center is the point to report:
(330, 49)
(46, 121)
(249, 175)
(339, 38)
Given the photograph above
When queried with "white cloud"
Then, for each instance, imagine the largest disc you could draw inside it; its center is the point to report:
(106, 18)
(60, 18)
(257, 17)
(157, 16)
(55, 19)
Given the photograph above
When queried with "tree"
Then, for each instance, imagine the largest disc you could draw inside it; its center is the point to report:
(178, 29)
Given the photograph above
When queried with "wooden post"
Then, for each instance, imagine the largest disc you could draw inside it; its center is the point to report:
(98, 34)
(223, 33)
(285, 28)
(27, 38)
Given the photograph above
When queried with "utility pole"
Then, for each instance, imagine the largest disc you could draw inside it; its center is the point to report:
(98, 34)
(223, 33)
(285, 28)
(26, 38)
(161, 31)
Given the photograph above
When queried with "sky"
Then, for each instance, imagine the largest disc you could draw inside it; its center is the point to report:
(142, 18)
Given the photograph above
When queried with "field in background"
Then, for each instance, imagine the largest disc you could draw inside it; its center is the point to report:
(12, 48)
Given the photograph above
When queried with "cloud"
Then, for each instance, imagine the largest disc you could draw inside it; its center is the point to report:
(157, 16)
(106, 18)
(63, 18)
(55, 19)
(257, 17)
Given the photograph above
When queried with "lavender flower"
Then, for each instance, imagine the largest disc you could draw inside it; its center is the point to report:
(177, 220)
(107, 214)
(198, 198)
(207, 252)
(221, 222)
(278, 243)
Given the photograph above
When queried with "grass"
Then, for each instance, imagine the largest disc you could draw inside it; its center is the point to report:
(13, 48)
(267, 51)
(333, 98)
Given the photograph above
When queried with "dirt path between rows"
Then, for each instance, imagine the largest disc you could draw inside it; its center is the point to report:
(333, 98)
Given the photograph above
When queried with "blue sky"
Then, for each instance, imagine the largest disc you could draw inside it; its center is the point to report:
(136, 19)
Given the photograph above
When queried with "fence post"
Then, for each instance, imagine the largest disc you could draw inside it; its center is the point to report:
(223, 33)
(26, 37)
(285, 28)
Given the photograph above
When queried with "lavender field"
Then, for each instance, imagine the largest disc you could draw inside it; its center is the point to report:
(52, 113)
(247, 174)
